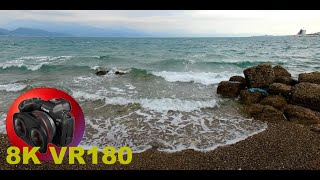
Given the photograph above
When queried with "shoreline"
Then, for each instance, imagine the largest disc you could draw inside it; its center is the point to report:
(283, 145)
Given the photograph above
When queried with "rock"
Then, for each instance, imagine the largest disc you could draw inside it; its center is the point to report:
(272, 114)
(301, 115)
(238, 79)
(279, 71)
(248, 98)
(276, 101)
(307, 95)
(119, 73)
(259, 76)
(230, 88)
(315, 127)
(286, 80)
(265, 113)
(254, 110)
(101, 73)
(313, 77)
(280, 89)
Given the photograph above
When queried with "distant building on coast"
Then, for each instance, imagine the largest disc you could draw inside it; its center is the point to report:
(303, 32)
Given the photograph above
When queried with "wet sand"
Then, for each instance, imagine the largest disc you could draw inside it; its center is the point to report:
(281, 146)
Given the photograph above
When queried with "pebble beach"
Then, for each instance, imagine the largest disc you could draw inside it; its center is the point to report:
(282, 145)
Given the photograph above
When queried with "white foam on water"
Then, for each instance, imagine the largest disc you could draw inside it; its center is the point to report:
(117, 89)
(92, 82)
(130, 86)
(82, 96)
(60, 58)
(114, 134)
(82, 78)
(35, 58)
(95, 67)
(13, 87)
(34, 63)
(159, 105)
(45, 58)
(166, 104)
(3, 123)
(118, 101)
(113, 70)
(19, 63)
(205, 78)
(36, 67)
(141, 130)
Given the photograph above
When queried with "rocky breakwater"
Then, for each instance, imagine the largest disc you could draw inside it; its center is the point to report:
(270, 94)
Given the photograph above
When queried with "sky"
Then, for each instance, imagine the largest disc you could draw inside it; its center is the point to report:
(190, 22)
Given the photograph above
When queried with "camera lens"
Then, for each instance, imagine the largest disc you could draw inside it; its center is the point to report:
(20, 127)
(37, 138)
(47, 123)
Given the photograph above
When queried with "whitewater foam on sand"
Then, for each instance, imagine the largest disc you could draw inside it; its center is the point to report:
(171, 125)
(169, 134)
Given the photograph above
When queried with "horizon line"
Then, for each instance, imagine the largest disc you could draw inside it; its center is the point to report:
(71, 35)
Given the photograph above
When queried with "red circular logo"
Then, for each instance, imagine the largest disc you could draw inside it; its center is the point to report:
(46, 94)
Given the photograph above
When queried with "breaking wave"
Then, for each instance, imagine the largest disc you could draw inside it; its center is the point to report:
(159, 105)
(13, 87)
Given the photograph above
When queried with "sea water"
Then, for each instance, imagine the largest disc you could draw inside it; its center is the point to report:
(167, 97)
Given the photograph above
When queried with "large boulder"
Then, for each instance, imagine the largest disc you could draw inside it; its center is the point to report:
(248, 98)
(280, 89)
(230, 88)
(276, 101)
(264, 113)
(259, 76)
(279, 71)
(301, 115)
(307, 95)
(313, 77)
(254, 110)
(286, 80)
(101, 73)
(238, 79)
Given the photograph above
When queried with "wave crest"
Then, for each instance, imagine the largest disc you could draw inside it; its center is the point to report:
(205, 78)
(13, 87)
(159, 105)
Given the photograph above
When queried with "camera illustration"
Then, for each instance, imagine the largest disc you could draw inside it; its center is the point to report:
(41, 122)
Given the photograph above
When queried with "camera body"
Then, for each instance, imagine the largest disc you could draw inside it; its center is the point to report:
(41, 122)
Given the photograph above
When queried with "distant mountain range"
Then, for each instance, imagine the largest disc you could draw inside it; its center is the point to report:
(44, 28)
(31, 32)
(84, 32)
(70, 29)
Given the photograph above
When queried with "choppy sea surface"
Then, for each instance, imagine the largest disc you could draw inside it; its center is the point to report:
(167, 98)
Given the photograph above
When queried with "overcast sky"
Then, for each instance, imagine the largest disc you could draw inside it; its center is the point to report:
(194, 22)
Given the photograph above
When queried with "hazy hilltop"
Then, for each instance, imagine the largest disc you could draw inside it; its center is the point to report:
(79, 30)
(31, 32)
(74, 29)
(4, 32)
